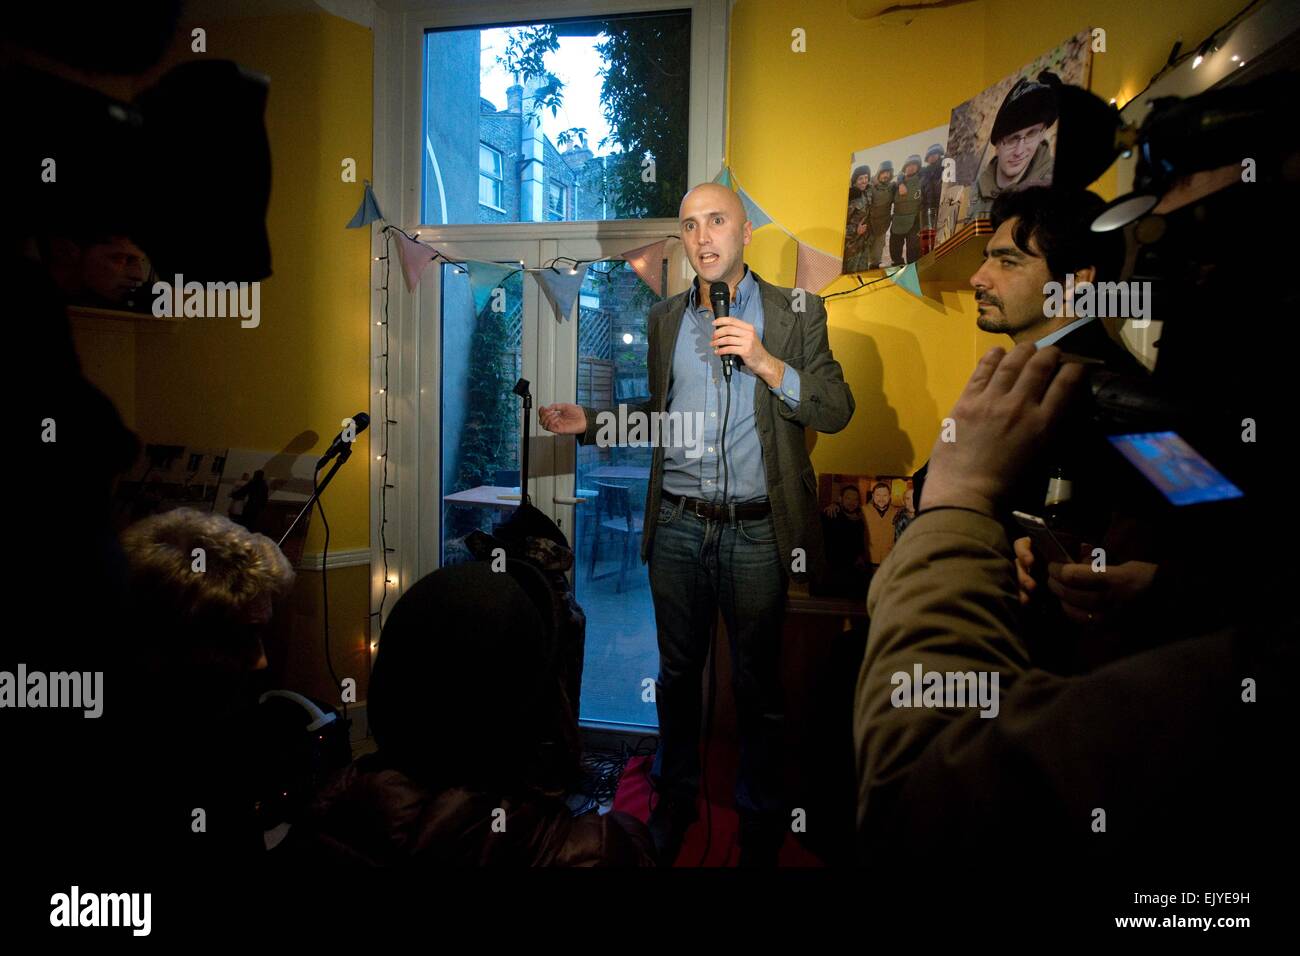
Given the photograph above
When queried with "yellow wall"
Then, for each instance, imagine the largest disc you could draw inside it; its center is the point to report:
(288, 383)
(796, 118)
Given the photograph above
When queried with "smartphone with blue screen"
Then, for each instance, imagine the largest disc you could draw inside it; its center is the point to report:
(1178, 471)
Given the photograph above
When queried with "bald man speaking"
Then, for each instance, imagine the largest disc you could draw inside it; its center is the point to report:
(731, 519)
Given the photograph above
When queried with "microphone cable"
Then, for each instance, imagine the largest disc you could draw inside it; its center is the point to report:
(713, 637)
(324, 590)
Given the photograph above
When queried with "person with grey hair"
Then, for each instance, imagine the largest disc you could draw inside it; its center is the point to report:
(204, 609)
(202, 590)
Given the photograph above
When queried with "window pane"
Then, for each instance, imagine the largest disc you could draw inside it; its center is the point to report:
(612, 583)
(597, 108)
(481, 415)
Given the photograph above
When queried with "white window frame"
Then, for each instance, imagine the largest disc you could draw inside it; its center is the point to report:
(564, 200)
(499, 178)
(398, 161)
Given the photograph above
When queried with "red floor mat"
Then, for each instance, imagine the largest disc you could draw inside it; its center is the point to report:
(634, 795)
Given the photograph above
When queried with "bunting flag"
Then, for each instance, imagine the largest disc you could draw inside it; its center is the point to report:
(752, 209)
(906, 278)
(561, 287)
(483, 278)
(415, 257)
(648, 263)
(368, 211)
(814, 269)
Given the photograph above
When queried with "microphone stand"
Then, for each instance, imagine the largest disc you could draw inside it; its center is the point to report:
(522, 390)
(343, 456)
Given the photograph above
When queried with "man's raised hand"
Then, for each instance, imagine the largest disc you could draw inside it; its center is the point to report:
(563, 418)
(1010, 403)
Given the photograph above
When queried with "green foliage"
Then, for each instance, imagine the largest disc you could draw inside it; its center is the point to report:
(492, 419)
(644, 97)
(525, 59)
(574, 134)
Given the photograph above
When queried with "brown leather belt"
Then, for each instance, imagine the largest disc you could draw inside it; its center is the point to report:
(711, 511)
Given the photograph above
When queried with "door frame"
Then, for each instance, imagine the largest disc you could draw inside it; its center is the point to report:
(550, 354)
(398, 91)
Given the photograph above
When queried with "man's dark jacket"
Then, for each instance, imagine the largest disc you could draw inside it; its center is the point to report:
(797, 338)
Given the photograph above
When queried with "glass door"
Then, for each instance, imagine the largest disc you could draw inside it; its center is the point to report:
(484, 324)
(601, 362)
(597, 357)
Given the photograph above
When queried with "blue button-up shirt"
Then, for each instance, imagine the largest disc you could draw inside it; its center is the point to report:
(697, 384)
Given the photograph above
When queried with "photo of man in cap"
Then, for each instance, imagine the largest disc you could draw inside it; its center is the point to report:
(905, 227)
(1024, 155)
(857, 229)
(880, 210)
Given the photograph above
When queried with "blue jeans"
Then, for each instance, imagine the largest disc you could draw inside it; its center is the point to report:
(696, 567)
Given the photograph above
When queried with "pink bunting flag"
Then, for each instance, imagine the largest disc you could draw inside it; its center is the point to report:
(415, 257)
(814, 269)
(648, 261)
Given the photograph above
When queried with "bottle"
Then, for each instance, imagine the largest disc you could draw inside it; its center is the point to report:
(1060, 512)
(1059, 492)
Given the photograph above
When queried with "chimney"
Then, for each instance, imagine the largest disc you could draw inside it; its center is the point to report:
(576, 156)
(532, 154)
(514, 99)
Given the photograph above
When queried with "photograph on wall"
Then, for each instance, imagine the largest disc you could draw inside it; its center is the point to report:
(264, 491)
(862, 516)
(1005, 137)
(894, 195)
(165, 477)
(102, 270)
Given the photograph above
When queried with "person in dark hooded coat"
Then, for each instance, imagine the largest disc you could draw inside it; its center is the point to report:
(477, 742)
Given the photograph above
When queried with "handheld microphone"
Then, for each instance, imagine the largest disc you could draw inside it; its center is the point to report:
(720, 297)
(360, 421)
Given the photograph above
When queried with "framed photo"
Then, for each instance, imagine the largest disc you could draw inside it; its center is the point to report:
(166, 477)
(862, 516)
(261, 490)
(264, 491)
(894, 201)
(1005, 136)
(105, 270)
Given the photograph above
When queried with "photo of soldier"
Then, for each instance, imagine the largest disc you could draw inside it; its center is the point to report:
(856, 230)
(1005, 137)
(883, 204)
(880, 212)
(905, 226)
(931, 190)
(1023, 153)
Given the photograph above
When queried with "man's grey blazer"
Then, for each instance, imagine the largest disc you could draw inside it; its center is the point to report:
(825, 403)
